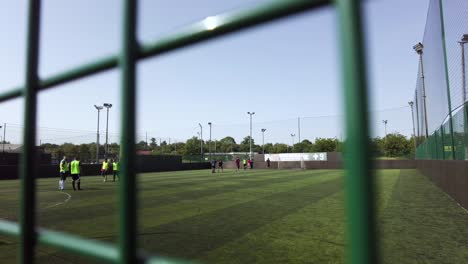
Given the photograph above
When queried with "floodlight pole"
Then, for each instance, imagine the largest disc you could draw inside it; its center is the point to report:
(263, 140)
(4, 139)
(411, 104)
(209, 145)
(201, 140)
(299, 129)
(463, 41)
(292, 140)
(250, 139)
(106, 149)
(385, 125)
(419, 50)
(98, 108)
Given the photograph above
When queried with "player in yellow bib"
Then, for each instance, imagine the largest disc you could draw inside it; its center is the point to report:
(75, 167)
(64, 168)
(104, 170)
(115, 168)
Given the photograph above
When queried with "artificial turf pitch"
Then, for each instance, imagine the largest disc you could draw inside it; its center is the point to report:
(254, 216)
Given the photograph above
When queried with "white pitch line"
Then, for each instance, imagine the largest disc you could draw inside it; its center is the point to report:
(65, 201)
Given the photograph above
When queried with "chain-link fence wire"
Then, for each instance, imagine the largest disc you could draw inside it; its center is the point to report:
(434, 69)
(283, 131)
(455, 14)
(433, 77)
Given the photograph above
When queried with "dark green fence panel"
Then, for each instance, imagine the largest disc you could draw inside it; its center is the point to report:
(360, 199)
(28, 157)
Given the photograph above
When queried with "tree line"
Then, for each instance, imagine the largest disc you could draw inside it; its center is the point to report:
(393, 145)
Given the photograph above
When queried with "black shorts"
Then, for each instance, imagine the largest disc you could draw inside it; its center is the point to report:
(75, 177)
(63, 175)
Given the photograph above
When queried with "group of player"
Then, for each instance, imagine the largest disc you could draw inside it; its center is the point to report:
(105, 169)
(245, 163)
(74, 169)
(220, 166)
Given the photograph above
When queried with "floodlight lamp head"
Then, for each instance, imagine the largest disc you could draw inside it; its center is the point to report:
(385, 121)
(209, 123)
(107, 105)
(464, 38)
(418, 48)
(411, 103)
(98, 107)
(263, 129)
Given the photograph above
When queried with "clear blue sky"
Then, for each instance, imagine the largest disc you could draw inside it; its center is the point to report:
(282, 71)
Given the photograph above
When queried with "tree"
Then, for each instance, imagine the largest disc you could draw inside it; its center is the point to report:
(325, 145)
(280, 148)
(69, 150)
(192, 146)
(153, 143)
(269, 148)
(244, 146)
(396, 145)
(304, 146)
(84, 152)
(141, 145)
(377, 147)
(227, 144)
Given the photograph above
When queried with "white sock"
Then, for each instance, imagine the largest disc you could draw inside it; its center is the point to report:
(60, 184)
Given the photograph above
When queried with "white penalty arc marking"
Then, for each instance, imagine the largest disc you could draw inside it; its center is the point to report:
(65, 201)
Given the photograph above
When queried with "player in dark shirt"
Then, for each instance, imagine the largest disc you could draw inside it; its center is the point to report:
(220, 166)
(237, 164)
(213, 166)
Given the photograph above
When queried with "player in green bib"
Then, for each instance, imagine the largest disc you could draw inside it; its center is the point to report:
(104, 170)
(115, 168)
(75, 167)
(64, 168)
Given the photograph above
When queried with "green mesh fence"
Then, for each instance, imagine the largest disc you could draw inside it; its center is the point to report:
(440, 95)
(362, 243)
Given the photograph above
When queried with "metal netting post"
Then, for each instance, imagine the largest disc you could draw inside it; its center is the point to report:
(447, 80)
(127, 188)
(28, 157)
(362, 247)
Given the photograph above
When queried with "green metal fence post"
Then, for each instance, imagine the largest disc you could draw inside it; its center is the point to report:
(28, 157)
(127, 190)
(442, 26)
(362, 247)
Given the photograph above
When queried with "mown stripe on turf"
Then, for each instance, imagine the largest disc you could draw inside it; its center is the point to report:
(207, 231)
(160, 215)
(313, 234)
(203, 177)
(385, 185)
(151, 192)
(149, 201)
(420, 220)
(271, 175)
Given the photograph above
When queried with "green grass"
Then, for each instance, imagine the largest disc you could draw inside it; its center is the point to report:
(261, 216)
